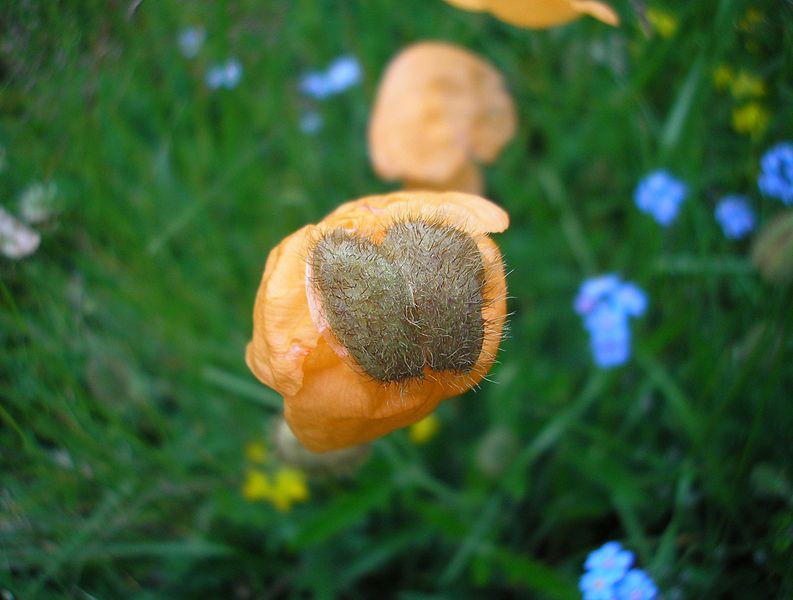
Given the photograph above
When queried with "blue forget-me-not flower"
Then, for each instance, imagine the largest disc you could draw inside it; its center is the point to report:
(636, 585)
(607, 576)
(660, 195)
(311, 123)
(776, 173)
(598, 585)
(342, 73)
(593, 290)
(226, 75)
(191, 40)
(610, 335)
(605, 303)
(610, 557)
(735, 216)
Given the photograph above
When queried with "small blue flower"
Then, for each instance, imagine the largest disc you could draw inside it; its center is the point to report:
(315, 84)
(310, 123)
(598, 585)
(776, 173)
(215, 77)
(606, 576)
(226, 75)
(735, 216)
(606, 317)
(632, 299)
(344, 72)
(233, 73)
(609, 335)
(636, 585)
(191, 40)
(660, 195)
(611, 348)
(593, 290)
(611, 558)
(605, 303)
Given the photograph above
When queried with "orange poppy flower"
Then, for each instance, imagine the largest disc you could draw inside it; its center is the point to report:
(539, 14)
(365, 321)
(440, 112)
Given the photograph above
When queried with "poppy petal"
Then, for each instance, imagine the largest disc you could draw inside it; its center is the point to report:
(600, 10)
(338, 408)
(284, 332)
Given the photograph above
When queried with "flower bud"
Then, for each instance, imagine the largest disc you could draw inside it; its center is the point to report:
(336, 462)
(496, 451)
(772, 252)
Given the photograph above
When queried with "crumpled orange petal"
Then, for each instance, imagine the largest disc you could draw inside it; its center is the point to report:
(328, 403)
(285, 333)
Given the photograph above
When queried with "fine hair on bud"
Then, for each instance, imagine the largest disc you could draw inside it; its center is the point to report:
(407, 306)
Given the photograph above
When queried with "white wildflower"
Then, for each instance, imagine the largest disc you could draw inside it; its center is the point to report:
(17, 240)
(226, 75)
(38, 202)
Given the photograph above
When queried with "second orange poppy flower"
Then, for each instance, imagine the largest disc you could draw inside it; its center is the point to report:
(540, 14)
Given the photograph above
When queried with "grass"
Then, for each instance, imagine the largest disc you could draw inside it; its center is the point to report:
(126, 404)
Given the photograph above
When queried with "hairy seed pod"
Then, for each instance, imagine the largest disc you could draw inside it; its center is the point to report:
(367, 303)
(413, 300)
(444, 270)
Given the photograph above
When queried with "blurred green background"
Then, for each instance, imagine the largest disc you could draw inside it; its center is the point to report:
(126, 406)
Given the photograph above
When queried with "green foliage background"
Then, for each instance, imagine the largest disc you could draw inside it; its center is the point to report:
(126, 404)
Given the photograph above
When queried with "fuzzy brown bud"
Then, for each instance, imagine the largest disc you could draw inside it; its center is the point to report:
(772, 252)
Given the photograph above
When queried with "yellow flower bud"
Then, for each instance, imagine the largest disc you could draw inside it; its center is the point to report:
(423, 431)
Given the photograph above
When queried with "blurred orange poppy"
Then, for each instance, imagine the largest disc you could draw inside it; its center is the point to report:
(539, 14)
(440, 113)
(360, 322)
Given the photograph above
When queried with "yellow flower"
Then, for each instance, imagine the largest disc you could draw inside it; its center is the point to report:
(257, 486)
(723, 76)
(539, 14)
(663, 22)
(290, 487)
(423, 431)
(752, 18)
(285, 489)
(745, 85)
(256, 452)
(741, 84)
(751, 119)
